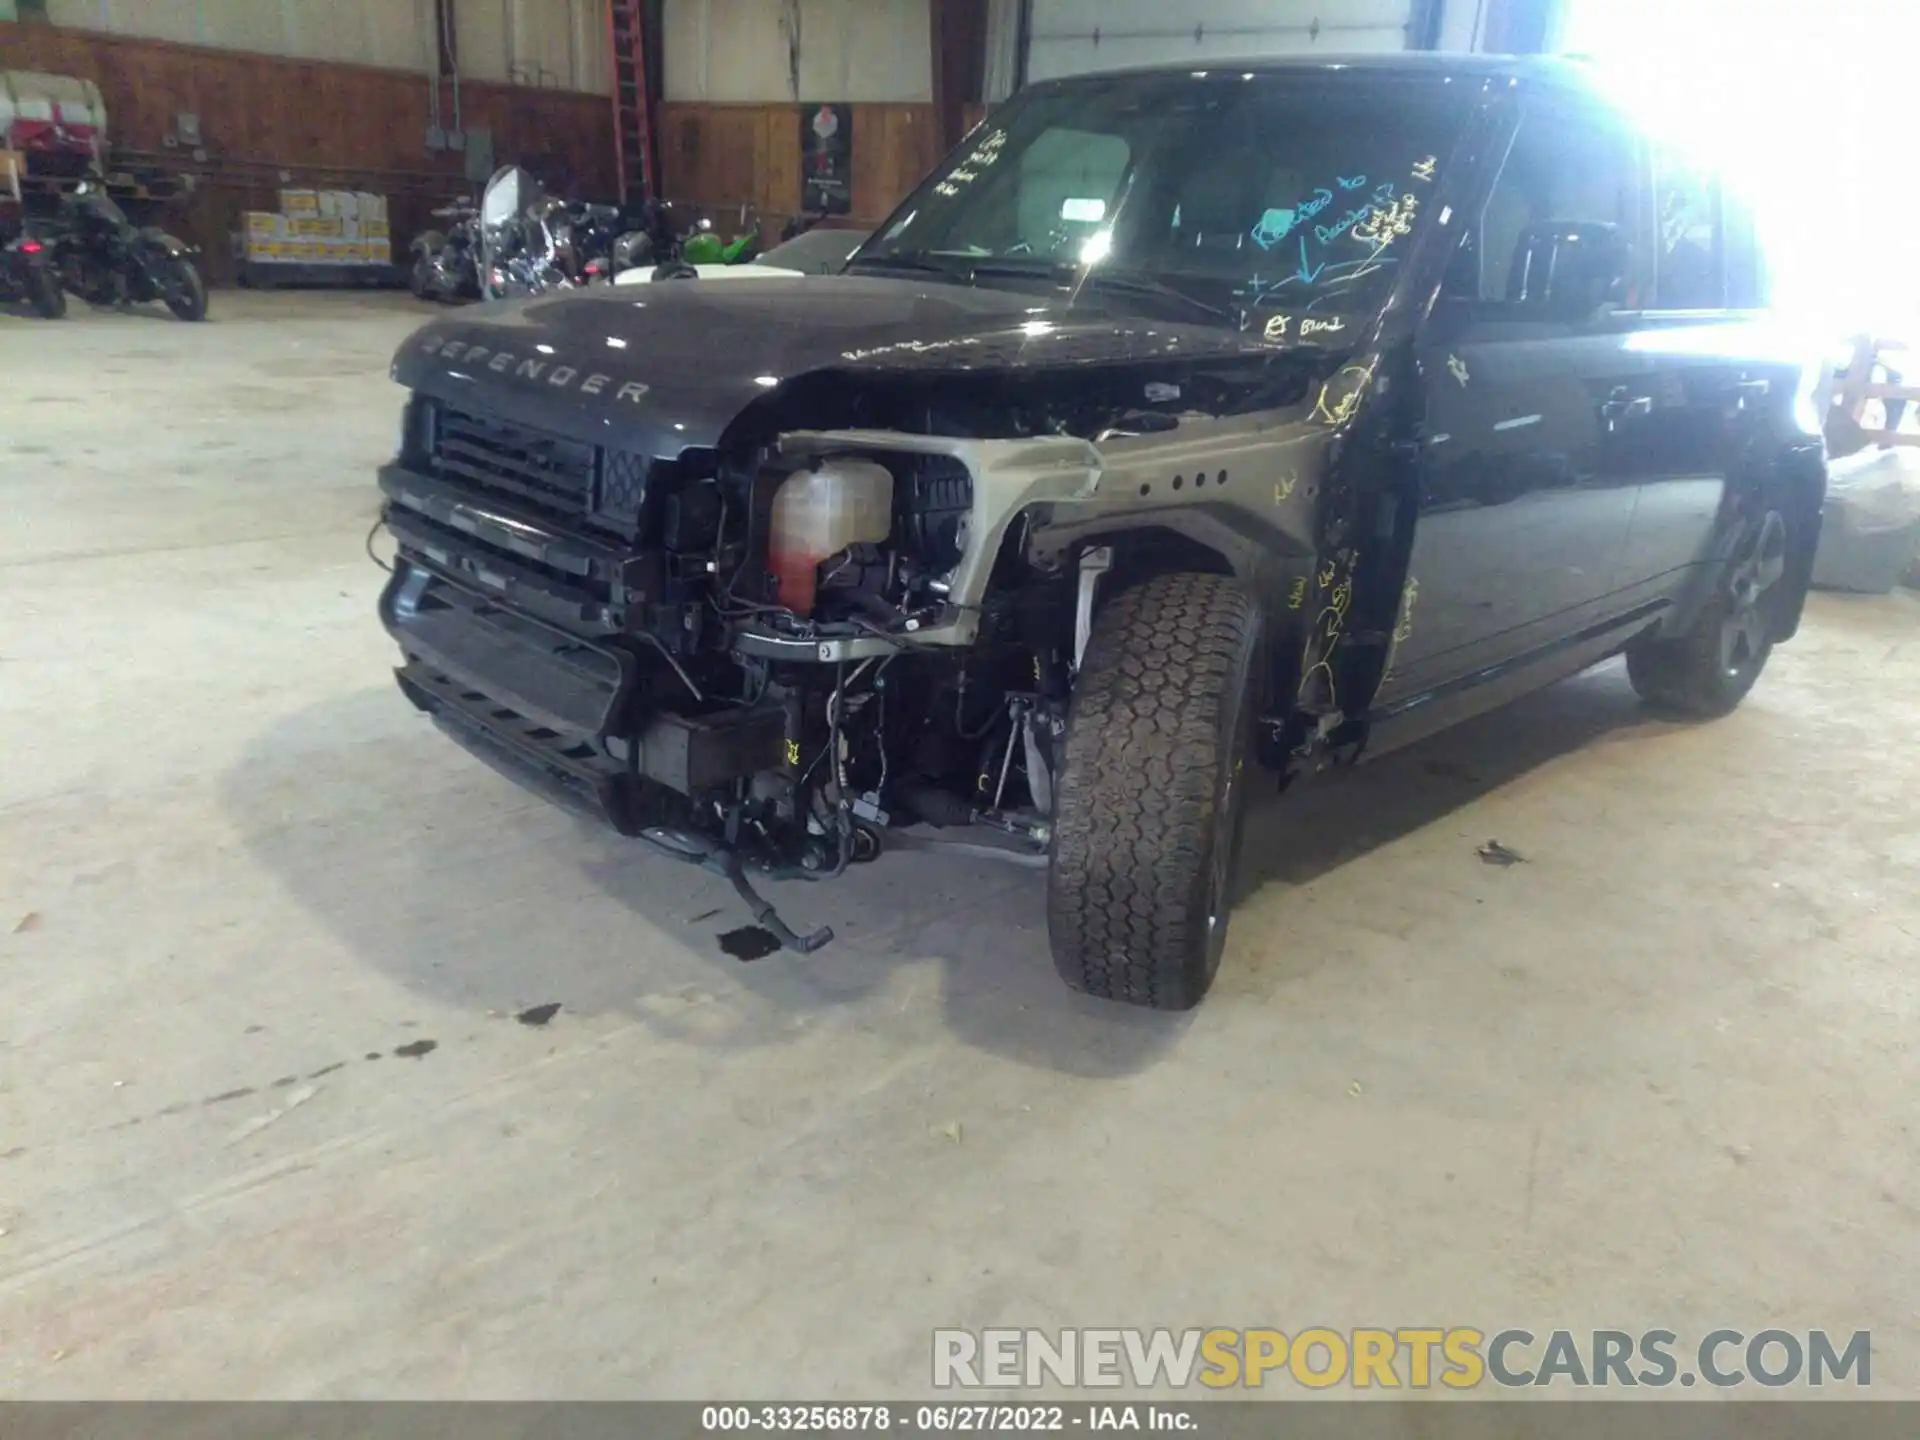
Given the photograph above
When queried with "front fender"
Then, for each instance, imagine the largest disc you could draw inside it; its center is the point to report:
(158, 242)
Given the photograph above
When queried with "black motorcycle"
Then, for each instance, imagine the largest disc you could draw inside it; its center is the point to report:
(105, 259)
(446, 264)
(27, 273)
(588, 238)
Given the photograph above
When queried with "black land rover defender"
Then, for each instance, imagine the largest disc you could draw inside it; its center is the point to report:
(1180, 426)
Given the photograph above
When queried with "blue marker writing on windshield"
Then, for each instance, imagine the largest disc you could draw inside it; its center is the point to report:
(1309, 272)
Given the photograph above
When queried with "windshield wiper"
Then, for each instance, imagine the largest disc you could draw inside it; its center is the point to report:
(1121, 282)
(1135, 282)
(970, 268)
(919, 263)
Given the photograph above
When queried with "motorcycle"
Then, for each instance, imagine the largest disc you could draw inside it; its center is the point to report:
(519, 247)
(588, 237)
(107, 260)
(27, 273)
(446, 264)
(705, 247)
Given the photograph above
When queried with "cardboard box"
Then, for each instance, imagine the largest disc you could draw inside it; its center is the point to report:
(350, 228)
(303, 252)
(317, 228)
(373, 230)
(379, 250)
(263, 225)
(372, 207)
(299, 202)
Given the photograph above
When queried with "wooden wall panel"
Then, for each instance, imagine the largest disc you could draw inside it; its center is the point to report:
(338, 126)
(725, 155)
(893, 147)
(783, 172)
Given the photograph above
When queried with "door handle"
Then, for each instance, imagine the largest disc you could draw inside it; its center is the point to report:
(1623, 402)
(1749, 393)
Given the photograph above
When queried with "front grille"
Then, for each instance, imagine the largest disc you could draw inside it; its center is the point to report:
(554, 474)
(563, 479)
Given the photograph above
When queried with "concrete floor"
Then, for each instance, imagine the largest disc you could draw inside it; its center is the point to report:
(1661, 1075)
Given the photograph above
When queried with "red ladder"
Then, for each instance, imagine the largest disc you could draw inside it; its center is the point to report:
(632, 103)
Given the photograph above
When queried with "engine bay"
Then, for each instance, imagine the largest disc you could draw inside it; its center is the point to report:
(808, 641)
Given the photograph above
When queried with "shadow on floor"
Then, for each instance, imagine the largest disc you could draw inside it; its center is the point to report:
(467, 891)
(1326, 822)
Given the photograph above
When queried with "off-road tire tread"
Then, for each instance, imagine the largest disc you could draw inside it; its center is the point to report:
(1166, 670)
(1681, 675)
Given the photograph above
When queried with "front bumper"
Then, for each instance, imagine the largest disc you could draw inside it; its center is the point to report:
(534, 702)
(511, 633)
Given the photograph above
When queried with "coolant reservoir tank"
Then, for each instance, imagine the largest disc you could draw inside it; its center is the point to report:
(820, 512)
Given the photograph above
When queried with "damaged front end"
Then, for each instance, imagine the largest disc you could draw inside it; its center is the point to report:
(848, 614)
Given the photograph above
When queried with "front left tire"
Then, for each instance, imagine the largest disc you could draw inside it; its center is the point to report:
(1152, 791)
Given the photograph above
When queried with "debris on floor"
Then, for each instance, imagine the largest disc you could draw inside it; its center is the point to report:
(750, 942)
(538, 1015)
(1494, 853)
(414, 1049)
(28, 921)
(949, 1131)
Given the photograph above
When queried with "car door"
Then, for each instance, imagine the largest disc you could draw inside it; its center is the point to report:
(1713, 386)
(1535, 427)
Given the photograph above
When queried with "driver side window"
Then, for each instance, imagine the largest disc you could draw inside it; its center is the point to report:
(1566, 164)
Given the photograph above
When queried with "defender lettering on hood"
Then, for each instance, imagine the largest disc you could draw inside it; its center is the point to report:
(546, 370)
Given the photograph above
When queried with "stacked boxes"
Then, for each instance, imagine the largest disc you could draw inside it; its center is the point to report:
(320, 227)
(264, 236)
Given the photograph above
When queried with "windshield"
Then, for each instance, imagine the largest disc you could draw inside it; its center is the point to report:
(1268, 195)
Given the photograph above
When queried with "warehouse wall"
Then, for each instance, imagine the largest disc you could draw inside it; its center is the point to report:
(335, 125)
(758, 51)
(560, 44)
(739, 72)
(728, 155)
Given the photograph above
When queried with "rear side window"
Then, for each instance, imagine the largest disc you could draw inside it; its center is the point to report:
(1568, 163)
(1690, 270)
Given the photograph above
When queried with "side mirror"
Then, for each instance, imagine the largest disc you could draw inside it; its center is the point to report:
(1571, 270)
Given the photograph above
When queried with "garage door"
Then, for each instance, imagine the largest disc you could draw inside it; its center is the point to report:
(1073, 37)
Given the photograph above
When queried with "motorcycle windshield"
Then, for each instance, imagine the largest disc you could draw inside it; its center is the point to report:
(509, 194)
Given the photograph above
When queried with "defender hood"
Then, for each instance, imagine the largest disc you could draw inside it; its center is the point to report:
(672, 364)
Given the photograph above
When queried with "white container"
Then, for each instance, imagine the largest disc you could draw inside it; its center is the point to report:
(817, 514)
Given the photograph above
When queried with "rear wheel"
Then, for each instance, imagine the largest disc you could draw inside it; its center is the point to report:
(1709, 670)
(185, 291)
(45, 293)
(1151, 792)
(421, 281)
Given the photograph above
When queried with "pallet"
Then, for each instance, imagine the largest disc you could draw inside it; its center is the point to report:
(269, 275)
